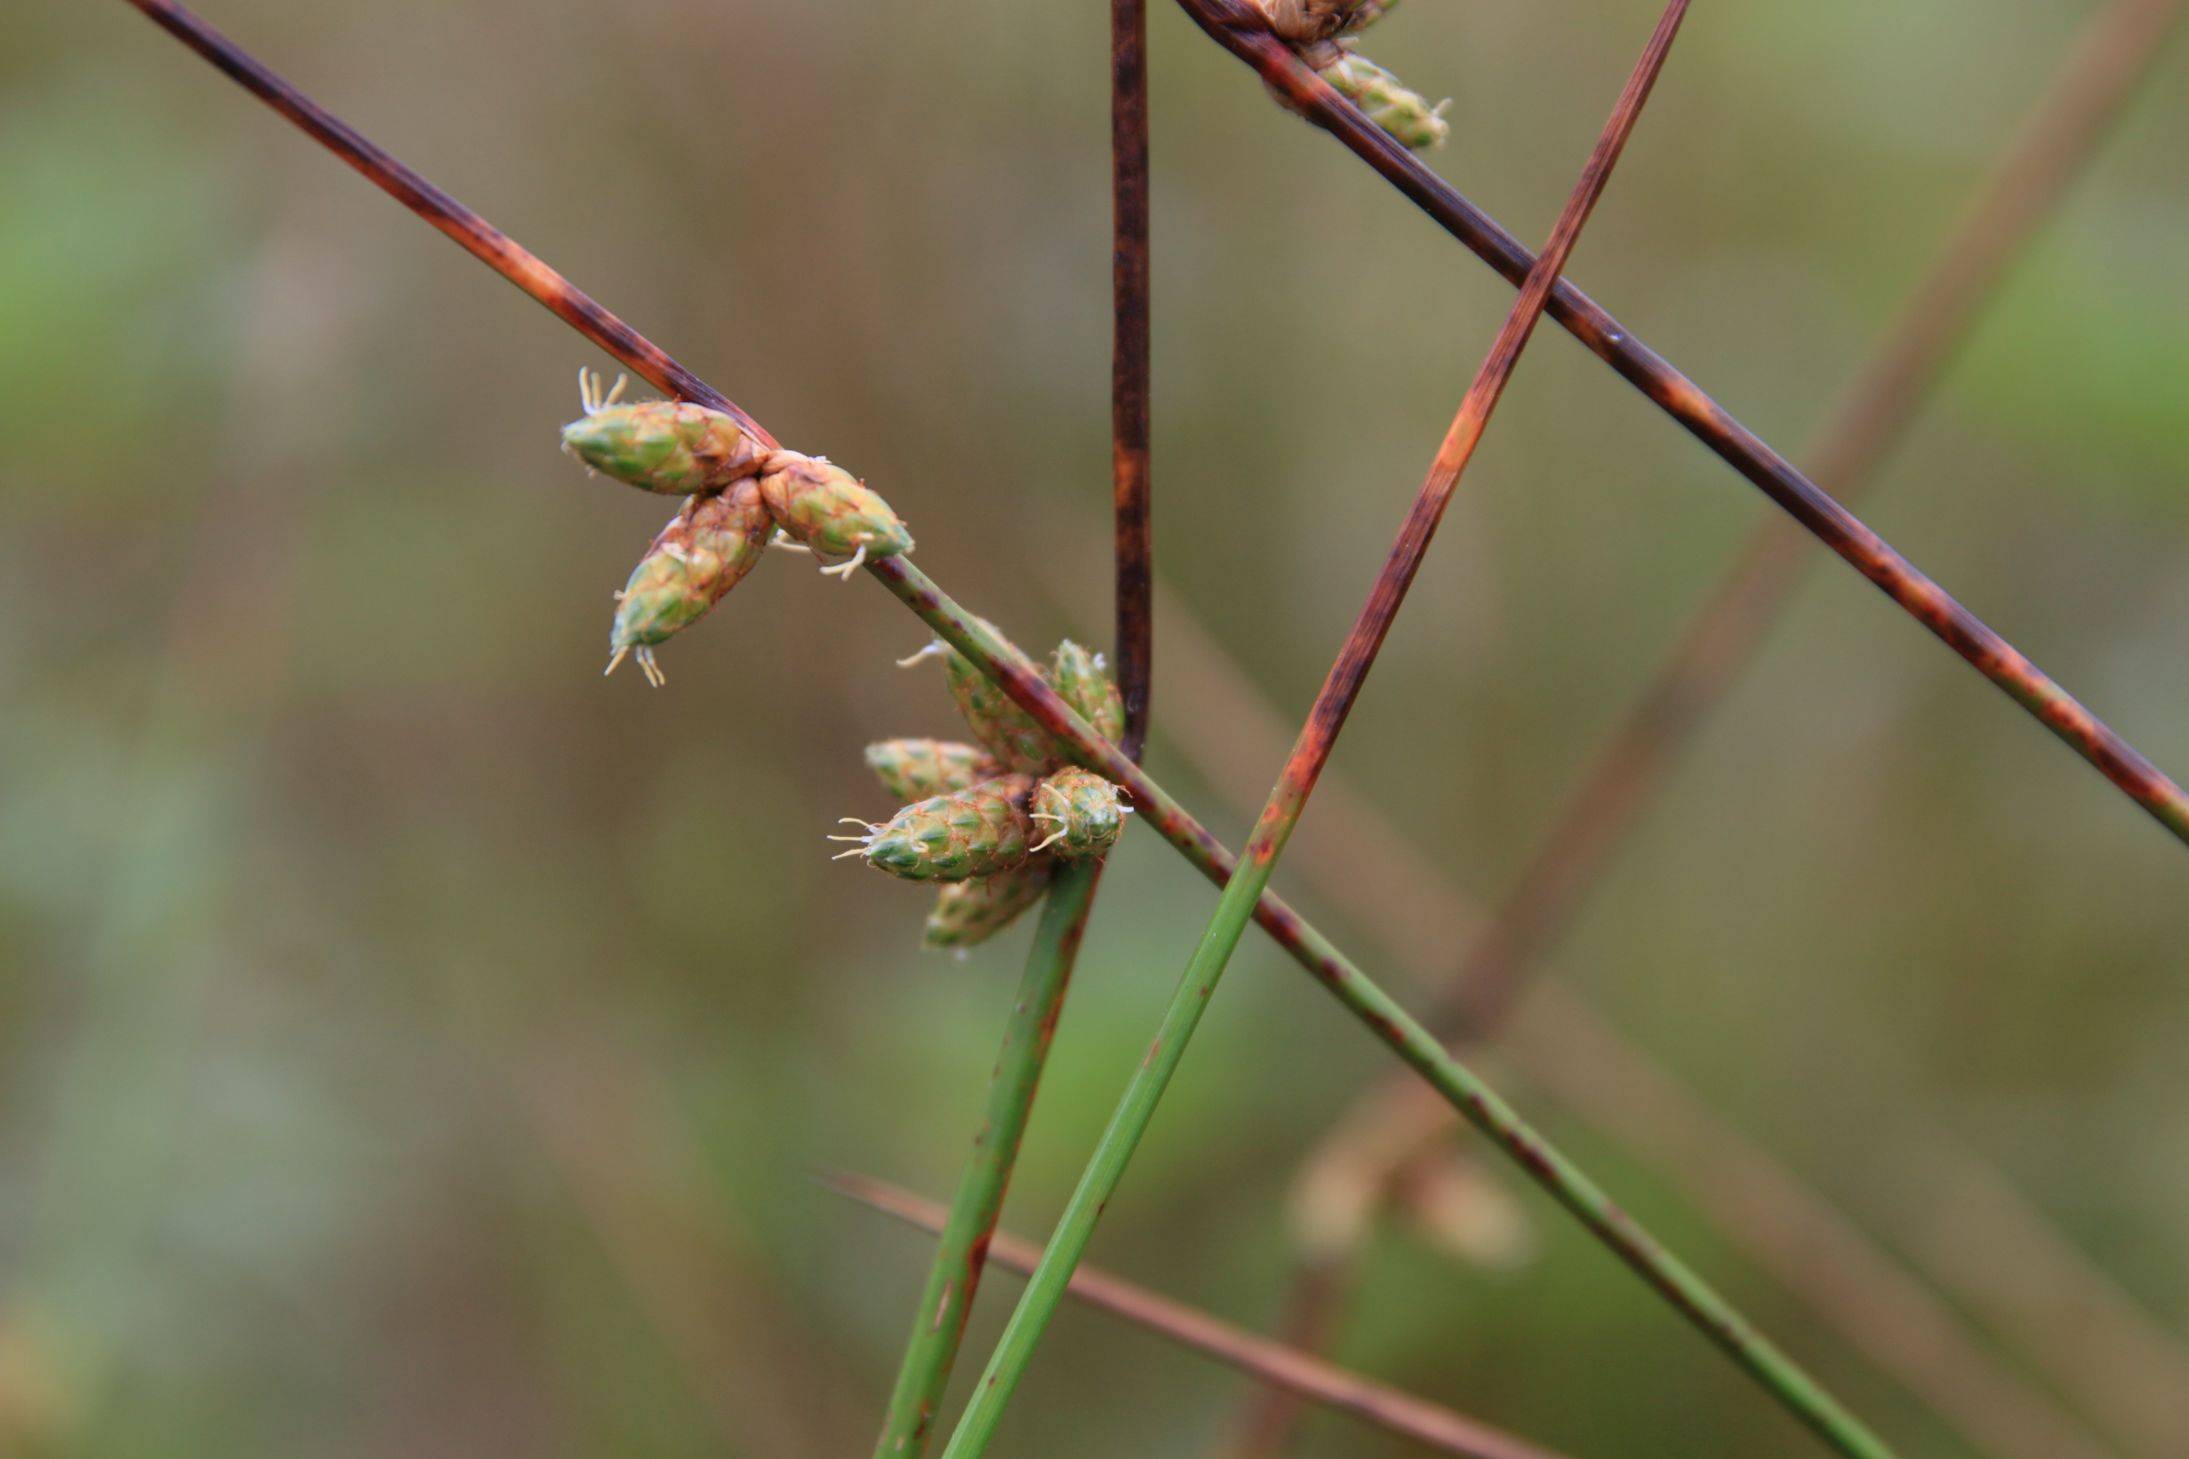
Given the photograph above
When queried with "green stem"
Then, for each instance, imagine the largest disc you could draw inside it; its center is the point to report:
(1053, 1274)
(938, 1324)
(1688, 1293)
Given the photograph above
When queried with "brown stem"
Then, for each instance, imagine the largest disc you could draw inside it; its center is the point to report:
(2024, 190)
(1239, 27)
(1129, 364)
(1312, 1378)
(1358, 655)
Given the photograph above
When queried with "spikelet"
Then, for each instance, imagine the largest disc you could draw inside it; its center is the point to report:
(667, 446)
(1303, 22)
(1082, 812)
(1408, 117)
(917, 769)
(967, 913)
(1082, 682)
(1009, 732)
(977, 831)
(821, 506)
(699, 556)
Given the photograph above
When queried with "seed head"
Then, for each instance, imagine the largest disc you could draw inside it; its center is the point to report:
(1082, 682)
(1407, 116)
(1009, 732)
(699, 556)
(1081, 811)
(977, 831)
(667, 446)
(822, 506)
(916, 769)
(970, 912)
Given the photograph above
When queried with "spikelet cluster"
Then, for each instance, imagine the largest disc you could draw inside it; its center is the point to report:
(1321, 33)
(990, 820)
(739, 491)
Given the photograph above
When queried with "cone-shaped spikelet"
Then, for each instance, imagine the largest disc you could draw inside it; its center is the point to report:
(699, 556)
(977, 831)
(917, 769)
(1408, 117)
(667, 446)
(824, 507)
(1081, 682)
(1081, 812)
(1008, 731)
(970, 912)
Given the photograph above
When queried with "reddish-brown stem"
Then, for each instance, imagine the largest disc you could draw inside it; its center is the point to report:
(1129, 374)
(1314, 1305)
(1239, 27)
(1342, 687)
(1726, 635)
(1272, 1363)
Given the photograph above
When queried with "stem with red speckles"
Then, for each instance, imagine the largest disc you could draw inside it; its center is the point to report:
(938, 1323)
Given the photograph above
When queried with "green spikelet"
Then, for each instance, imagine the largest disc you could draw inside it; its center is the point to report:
(1008, 731)
(1081, 811)
(665, 446)
(1410, 119)
(699, 556)
(967, 913)
(977, 831)
(1082, 682)
(917, 769)
(826, 508)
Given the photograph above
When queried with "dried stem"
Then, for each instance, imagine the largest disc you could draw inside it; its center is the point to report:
(938, 1322)
(1105, 1169)
(1239, 27)
(1129, 364)
(1315, 1379)
(1892, 388)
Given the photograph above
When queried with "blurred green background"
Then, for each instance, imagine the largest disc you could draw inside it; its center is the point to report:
(414, 1044)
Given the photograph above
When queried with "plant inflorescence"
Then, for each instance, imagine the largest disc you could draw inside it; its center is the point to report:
(1031, 807)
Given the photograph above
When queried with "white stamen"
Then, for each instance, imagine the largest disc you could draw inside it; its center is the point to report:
(846, 568)
(617, 659)
(934, 650)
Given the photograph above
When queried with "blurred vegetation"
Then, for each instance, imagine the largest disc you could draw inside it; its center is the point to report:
(414, 1044)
